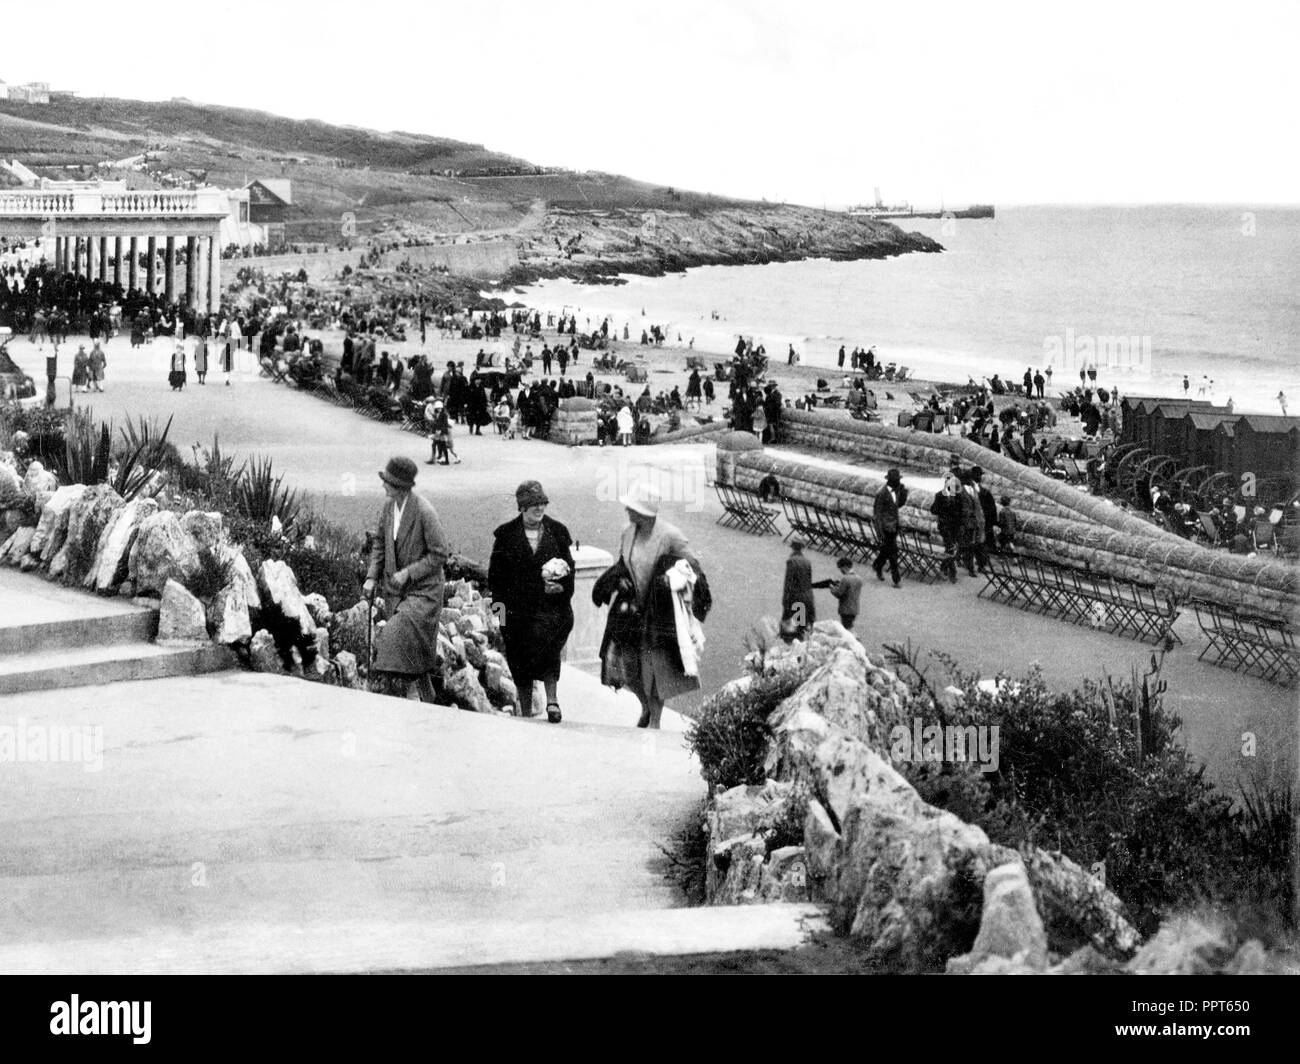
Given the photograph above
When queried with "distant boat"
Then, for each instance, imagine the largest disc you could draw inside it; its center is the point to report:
(906, 210)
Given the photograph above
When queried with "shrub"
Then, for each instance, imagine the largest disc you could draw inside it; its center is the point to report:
(213, 574)
(731, 734)
(260, 495)
(1097, 773)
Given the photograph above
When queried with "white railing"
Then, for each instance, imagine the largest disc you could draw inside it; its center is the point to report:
(31, 203)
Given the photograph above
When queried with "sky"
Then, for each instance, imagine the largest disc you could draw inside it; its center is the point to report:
(810, 102)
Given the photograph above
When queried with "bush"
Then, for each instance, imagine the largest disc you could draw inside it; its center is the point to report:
(260, 495)
(1096, 773)
(731, 734)
(213, 574)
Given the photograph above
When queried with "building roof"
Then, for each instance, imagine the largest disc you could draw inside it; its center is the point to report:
(1204, 419)
(280, 188)
(1270, 423)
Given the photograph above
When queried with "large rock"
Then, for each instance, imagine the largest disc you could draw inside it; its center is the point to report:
(87, 519)
(279, 592)
(206, 529)
(347, 669)
(851, 693)
(463, 686)
(242, 574)
(52, 528)
(1076, 907)
(319, 608)
(228, 615)
(181, 620)
(824, 641)
(1186, 945)
(740, 878)
(17, 545)
(113, 555)
(38, 479)
(263, 653)
(11, 484)
(1010, 927)
(162, 551)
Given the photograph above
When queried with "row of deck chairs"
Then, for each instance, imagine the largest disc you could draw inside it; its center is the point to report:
(1121, 607)
(744, 510)
(1256, 644)
(843, 533)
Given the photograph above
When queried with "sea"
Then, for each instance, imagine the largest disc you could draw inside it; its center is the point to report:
(1146, 295)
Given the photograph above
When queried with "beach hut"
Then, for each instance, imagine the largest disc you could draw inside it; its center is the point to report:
(1268, 445)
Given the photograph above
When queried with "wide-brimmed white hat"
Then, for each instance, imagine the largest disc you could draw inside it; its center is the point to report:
(643, 499)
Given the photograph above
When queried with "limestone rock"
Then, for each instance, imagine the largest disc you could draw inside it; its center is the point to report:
(28, 562)
(347, 669)
(741, 871)
(475, 654)
(228, 615)
(1010, 926)
(1087, 961)
(784, 876)
(10, 482)
(87, 519)
(52, 527)
(113, 555)
(163, 551)
(242, 574)
(38, 479)
(181, 620)
(126, 589)
(263, 653)
(462, 684)
(316, 665)
(205, 528)
(1185, 945)
(279, 591)
(747, 809)
(1077, 908)
(449, 616)
(822, 643)
(850, 693)
(318, 607)
(17, 545)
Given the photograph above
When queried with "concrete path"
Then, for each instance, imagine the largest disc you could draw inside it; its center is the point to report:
(245, 822)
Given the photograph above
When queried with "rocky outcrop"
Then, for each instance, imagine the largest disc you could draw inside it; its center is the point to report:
(38, 479)
(263, 654)
(597, 248)
(917, 886)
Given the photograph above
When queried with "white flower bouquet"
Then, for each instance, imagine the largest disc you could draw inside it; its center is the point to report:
(555, 570)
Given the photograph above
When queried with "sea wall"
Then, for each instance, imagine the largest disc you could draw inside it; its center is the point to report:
(482, 258)
(1049, 530)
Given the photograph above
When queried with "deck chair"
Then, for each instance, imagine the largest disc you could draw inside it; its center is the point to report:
(1264, 535)
(1210, 528)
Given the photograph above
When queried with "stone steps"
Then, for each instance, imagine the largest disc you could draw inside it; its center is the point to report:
(80, 666)
(57, 637)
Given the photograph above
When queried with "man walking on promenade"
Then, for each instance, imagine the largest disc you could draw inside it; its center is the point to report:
(798, 612)
(406, 564)
(889, 500)
(847, 590)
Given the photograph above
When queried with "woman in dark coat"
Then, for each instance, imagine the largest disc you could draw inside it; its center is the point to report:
(946, 508)
(477, 414)
(532, 604)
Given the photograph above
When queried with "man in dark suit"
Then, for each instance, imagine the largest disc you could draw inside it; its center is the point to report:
(406, 564)
(889, 500)
(989, 508)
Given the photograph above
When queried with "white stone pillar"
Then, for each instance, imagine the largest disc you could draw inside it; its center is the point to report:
(214, 273)
(583, 647)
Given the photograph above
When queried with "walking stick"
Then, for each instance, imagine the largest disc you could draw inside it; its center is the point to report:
(370, 629)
